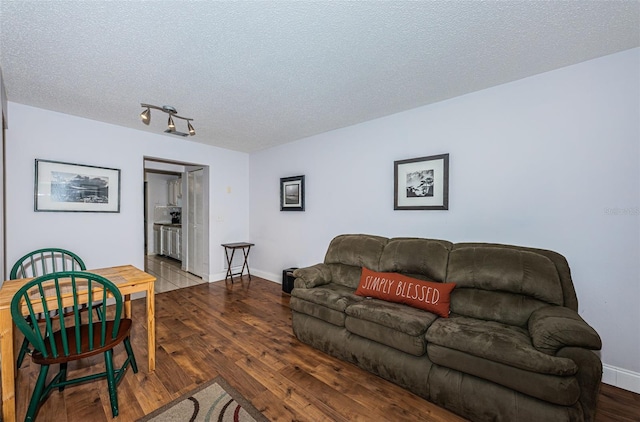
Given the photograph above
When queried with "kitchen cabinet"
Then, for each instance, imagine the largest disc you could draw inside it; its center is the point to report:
(171, 241)
(174, 196)
(176, 251)
(165, 242)
(157, 239)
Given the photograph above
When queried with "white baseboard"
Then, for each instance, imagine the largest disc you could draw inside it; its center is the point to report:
(621, 378)
(276, 278)
(217, 276)
(268, 276)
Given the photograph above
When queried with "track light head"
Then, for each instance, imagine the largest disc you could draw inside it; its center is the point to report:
(192, 131)
(172, 126)
(146, 116)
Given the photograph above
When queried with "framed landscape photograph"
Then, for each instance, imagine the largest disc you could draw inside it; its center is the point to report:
(292, 193)
(422, 183)
(76, 187)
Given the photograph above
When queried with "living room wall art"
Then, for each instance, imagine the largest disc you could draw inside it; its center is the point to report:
(76, 187)
(422, 183)
(292, 193)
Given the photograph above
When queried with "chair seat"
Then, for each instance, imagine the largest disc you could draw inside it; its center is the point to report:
(85, 350)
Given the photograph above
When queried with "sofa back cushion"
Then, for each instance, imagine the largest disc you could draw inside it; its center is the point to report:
(348, 253)
(425, 259)
(501, 284)
(570, 300)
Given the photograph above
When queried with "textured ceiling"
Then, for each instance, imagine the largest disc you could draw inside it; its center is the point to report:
(257, 74)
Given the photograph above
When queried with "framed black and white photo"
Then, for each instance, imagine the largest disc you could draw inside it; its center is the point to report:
(422, 183)
(76, 187)
(292, 193)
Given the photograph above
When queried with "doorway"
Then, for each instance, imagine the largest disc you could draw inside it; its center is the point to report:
(176, 214)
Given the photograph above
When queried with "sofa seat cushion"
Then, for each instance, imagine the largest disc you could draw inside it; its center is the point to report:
(561, 390)
(496, 342)
(399, 326)
(326, 302)
(408, 320)
(333, 296)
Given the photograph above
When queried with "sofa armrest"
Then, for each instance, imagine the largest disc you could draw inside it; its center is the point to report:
(589, 375)
(554, 327)
(313, 276)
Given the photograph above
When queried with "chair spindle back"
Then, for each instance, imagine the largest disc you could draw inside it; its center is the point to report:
(46, 261)
(44, 295)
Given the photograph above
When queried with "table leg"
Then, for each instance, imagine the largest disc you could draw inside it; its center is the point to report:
(229, 260)
(127, 306)
(8, 367)
(246, 256)
(151, 326)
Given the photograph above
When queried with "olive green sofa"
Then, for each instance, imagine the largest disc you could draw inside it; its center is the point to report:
(512, 349)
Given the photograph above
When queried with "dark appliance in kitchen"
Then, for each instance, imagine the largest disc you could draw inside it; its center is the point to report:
(176, 217)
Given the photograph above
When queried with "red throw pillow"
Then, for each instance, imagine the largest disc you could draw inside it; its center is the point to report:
(393, 287)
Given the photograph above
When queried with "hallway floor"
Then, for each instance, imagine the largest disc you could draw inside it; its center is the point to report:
(168, 273)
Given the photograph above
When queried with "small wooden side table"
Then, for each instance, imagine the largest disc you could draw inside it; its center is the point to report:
(246, 247)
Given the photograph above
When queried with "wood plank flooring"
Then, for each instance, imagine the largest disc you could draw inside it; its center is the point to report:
(242, 331)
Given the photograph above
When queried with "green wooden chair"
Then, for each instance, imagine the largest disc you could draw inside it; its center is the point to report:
(62, 339)
(41, 262)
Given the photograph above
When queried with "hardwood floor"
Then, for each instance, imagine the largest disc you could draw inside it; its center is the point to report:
(242, 331)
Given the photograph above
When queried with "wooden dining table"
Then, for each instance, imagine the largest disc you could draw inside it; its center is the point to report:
(129, 280)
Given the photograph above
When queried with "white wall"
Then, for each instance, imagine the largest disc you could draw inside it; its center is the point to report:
(551, 161)
(110, 239)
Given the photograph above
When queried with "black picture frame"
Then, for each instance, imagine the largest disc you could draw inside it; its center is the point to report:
(68, 187)
(292, 193)
(421, 183)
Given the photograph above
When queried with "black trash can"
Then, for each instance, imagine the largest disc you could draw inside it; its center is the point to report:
(287, 279)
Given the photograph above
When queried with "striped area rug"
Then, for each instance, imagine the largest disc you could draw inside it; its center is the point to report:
(214, 401)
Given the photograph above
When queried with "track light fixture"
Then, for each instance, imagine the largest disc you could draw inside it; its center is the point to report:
(145, 116)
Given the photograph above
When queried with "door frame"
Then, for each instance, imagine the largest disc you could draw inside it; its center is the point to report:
(159, 165)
